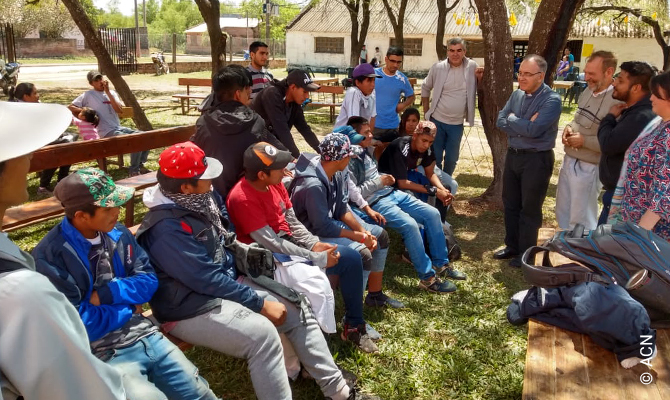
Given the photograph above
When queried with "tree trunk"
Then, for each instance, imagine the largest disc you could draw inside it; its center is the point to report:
(397, 22)
(551, 27)
(358, 33)
(495, 88)
(210, 11)
(105, 61)
(442, 10)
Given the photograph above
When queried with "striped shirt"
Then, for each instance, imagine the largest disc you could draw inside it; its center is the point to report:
(87, 131)
(260, 80)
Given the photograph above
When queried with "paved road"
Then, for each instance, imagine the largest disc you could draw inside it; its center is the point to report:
(66, 72)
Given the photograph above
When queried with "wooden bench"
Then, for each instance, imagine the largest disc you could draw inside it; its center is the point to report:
(72, 153)
(567, 365)
(334, 91)
(185, 99)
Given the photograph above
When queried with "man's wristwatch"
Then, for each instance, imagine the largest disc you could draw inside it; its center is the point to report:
(432, 190)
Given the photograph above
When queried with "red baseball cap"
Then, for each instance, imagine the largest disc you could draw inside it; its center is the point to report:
(187, 160)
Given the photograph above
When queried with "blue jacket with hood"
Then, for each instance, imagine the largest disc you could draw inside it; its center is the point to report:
(62, 255)
(318, 202)
(195, 271)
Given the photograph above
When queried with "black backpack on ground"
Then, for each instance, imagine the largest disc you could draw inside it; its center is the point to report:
(623, 254)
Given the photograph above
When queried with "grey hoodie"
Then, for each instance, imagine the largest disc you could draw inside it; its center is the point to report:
(318, 202)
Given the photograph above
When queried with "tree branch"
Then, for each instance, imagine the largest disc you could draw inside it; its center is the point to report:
(655, 26)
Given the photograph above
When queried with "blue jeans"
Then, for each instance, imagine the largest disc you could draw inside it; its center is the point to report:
(447, 142)
(607, 203)
(349, 269)
(138, 159)
(446, 179)
(404, 213)
(378, 256)
(153, 368)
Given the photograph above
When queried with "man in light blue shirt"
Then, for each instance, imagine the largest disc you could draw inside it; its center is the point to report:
(389, 90)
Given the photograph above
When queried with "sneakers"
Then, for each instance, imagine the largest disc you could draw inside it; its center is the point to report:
(372, 332)
(359, 336)
(42, 191)
(449, 272)
(144, 170)
(435, 285)
(354, 394)
(133, 173)
(381, 300)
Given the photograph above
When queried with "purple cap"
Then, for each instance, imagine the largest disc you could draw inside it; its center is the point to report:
(365, 70)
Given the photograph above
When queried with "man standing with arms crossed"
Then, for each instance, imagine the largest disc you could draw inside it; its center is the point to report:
(454, 85)
(388, 93)
(530, 120)
(578, 184)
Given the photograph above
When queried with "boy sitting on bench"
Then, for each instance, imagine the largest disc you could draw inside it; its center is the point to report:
(101, 269)
(401, 211)
(200, 294)
(262, 212)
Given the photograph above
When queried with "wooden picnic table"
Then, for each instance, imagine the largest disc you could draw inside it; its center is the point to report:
(324, 81)
(565, 365)
(562, 84)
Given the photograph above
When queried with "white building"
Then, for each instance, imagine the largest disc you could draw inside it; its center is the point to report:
(320, 36)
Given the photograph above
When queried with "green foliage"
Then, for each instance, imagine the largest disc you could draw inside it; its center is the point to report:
(113, 18)
(175, 16)
(153, 8)
(49, 17)
(287, 11)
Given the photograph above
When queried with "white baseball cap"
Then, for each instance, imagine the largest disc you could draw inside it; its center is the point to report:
(25, 127)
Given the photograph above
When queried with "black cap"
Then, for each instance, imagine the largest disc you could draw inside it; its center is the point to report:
(263, 156)
(301, 79)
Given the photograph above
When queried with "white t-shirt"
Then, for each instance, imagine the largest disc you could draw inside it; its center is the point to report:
(355, 104)
(109, 119)
(453, 100)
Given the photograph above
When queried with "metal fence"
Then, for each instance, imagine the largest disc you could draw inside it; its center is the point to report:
(122, 47)
(7, 43)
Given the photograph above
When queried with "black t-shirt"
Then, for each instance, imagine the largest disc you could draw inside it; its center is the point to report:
(399, 157)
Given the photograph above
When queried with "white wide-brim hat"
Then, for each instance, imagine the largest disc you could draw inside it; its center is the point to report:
(25, 127)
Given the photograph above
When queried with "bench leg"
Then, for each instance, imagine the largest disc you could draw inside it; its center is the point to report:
(102, 164)
(183, 111)
(332, 114)
(130, 213)
(120, 160)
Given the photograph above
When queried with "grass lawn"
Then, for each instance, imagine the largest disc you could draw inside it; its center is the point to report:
(457, 346)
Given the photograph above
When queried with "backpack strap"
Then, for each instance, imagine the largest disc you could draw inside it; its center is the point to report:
(549, 276)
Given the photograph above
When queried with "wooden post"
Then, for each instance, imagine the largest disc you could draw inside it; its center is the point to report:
(174, 52)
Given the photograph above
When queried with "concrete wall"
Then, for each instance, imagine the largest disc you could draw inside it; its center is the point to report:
(300, 51)
(627, 49)
(35, 47)
(185, 67)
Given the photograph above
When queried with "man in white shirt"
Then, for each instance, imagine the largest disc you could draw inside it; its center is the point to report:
(107, 104)
(454, 85)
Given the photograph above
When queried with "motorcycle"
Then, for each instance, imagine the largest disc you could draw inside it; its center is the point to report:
(9, 75)
(159, 62)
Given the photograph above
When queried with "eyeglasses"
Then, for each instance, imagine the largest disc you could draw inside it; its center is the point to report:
(528, 74)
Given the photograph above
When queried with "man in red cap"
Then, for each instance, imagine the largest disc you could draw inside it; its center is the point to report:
(200, 297)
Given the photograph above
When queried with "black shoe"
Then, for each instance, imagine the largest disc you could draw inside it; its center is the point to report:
(515, 262)
(505, 254)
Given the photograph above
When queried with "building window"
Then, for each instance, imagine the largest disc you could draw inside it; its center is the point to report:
(520, 48)
(333, 45)
(475, 49)
(412, 47)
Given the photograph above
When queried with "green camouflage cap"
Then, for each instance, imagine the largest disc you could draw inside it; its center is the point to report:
(91, 186)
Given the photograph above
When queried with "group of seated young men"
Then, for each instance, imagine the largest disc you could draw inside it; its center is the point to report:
(218, 195)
